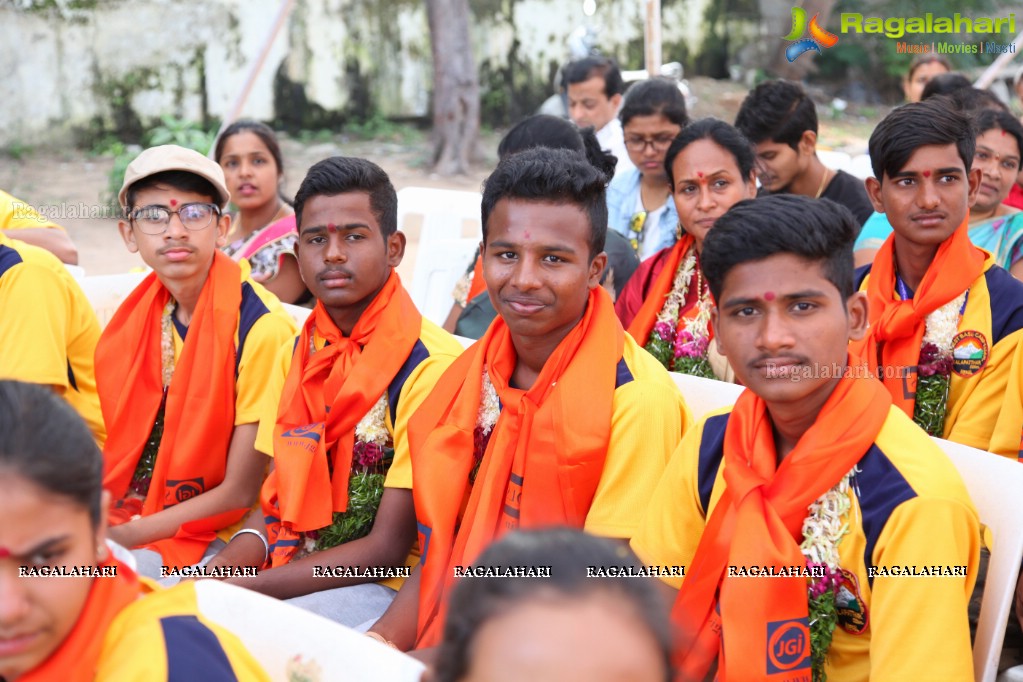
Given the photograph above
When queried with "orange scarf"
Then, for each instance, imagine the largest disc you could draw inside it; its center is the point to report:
(199, 413)
(545, 455)
(758, 522)
(326, 394)
(897, 327)
(479, 285)
(653, 300)
(77, 657)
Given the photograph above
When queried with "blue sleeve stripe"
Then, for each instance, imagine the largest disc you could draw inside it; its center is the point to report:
(194, 652)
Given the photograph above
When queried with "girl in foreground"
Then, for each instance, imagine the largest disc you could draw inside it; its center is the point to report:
(103, 624)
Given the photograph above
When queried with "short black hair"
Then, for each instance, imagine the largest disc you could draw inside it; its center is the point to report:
(817, 230)
(43, 440)
(183, 181)
(555, 132)
(343, 174)
(725, 136)
(971, 100)
(568, 553)
(907, 128)
(586, 68)
(995, 119)
(777, 111)
(658, 95)
(550, 175)
(945, 84)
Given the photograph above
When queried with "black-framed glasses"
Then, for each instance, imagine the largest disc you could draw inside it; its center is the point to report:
(636, 225)
(639, 144)
(154, 219)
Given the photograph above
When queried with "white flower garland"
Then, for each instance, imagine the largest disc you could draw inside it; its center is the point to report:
(942, 325)
(824, 527)
(679, 289)
(490, 405)
(372, 428)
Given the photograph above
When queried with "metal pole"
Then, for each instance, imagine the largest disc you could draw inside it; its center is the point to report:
(257, 66)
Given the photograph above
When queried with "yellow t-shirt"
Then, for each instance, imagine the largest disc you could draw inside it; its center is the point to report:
(164, 636)
(432, 354)
(909, 508)
(50, 331)
(18, 215)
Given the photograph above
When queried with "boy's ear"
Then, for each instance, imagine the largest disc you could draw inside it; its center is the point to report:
(808, 142)
(128, 235)
(597, 266)
(973, 178)
(873, 187)
(395, 248)
(858, 313)
(714, 316)
(223, 228)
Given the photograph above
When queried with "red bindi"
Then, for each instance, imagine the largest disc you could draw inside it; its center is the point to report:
(4, 552)
(927, 174)
(527, 234)
(331, 227)
(174, 202)
(699, 174)
(768, 295)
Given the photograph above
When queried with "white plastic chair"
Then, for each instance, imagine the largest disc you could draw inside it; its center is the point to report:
(705, 395)
(76, 271)
(283, 638)
(439, 265)
(106, 292)
(445, 212)
(860, 167)
(994, 483)
(298, 312)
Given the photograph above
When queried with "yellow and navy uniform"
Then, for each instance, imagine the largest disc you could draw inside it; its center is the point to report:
(263, 325)
(50, 331)
(164, 636)
(429, 358)
(910, 514)
(985, 408)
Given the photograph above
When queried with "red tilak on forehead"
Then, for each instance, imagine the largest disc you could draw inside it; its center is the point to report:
(699, 174)
(174, 202)
(527, 234)
(927, 174)
(768, 295)
(4, 552)
(331, 227)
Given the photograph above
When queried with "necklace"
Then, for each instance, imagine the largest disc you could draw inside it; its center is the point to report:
(824, 181)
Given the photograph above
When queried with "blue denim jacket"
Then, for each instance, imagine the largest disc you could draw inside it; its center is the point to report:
(622, 196)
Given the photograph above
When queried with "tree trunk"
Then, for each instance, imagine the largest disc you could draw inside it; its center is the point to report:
(456, 89)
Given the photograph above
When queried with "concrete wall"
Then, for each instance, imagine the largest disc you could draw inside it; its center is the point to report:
(122, 64)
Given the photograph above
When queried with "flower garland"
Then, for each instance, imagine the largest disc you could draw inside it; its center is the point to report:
(486, 418)
(823, 529)
(143, 476)
(371, 456)
(934, 368)
(683, 347)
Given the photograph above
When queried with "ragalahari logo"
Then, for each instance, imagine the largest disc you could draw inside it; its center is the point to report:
(818, 36)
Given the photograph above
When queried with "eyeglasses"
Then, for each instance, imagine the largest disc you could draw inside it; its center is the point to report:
(639, 144)
(154, 219)
(636, 225)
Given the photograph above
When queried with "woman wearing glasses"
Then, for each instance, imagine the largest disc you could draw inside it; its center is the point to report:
(666, 305)
(639, 203)
(263, 231)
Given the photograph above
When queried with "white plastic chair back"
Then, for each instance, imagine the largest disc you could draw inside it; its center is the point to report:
(705, 395)
(834, 160)
(860, 167)
(439, 265)
(107, 292)
(286, 640)
(299, 313)
(994, 483)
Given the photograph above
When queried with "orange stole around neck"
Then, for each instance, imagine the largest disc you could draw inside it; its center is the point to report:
(326, 394)
(758, 521)
(897, 327)
(653, 301)
(77, 657)
(544, 458)
(200, 407)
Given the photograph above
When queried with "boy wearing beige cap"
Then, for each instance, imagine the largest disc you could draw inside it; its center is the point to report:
(180, 368)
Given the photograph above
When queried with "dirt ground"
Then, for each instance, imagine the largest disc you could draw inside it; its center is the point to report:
(68, 183)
